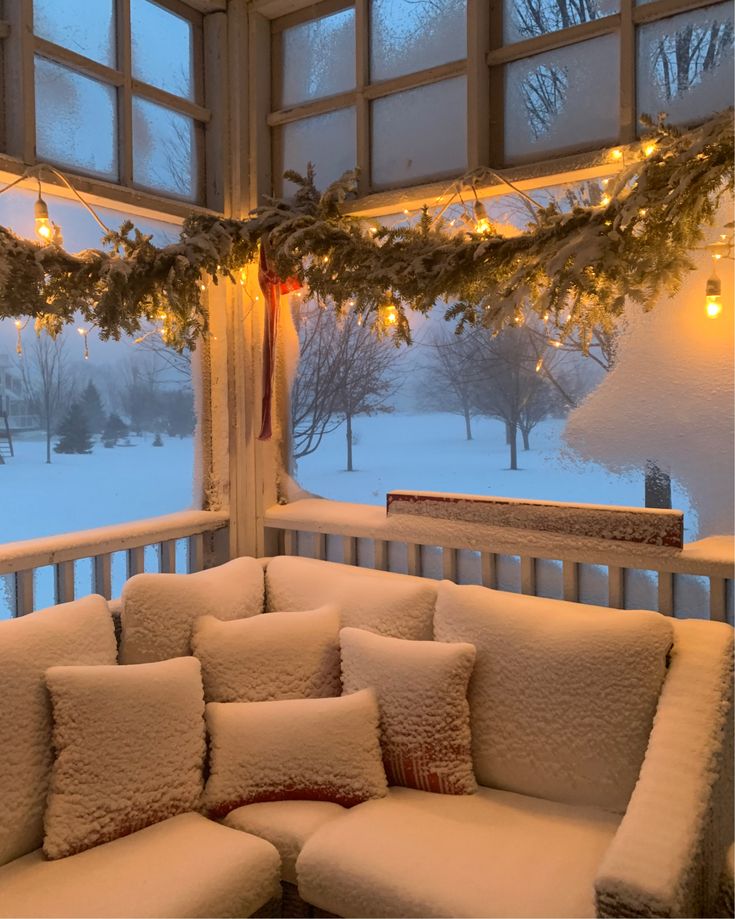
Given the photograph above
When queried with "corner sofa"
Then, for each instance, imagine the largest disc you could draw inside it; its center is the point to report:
(601, 743)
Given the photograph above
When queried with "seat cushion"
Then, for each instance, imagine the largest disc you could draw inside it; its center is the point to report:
(493, 854)
(185, 866)
(390, 604)
(71, 633)
(562, 696)
(285, 824)
(159, 610)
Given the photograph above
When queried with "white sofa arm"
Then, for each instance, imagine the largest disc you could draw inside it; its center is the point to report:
(667, 856)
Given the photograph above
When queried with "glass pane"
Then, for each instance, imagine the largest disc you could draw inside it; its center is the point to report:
(164, 149)
(319, 58)
(420, 133)
(327, 141)
(162, 48)
(411, 35)
(84, 26)
(76, 120)
(562, 99)
(685, 64)
(531, 18)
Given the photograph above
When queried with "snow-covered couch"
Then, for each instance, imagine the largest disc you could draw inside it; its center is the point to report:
(601, 742)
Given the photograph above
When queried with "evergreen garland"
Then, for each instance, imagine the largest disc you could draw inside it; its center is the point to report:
(575, 268)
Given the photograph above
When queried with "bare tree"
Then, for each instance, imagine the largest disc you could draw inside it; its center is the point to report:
(449, 380)
(47, 381)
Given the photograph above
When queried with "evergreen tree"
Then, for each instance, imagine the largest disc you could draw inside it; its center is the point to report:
(177, 412)
(74, 431)
(94, 408)
(114, 429)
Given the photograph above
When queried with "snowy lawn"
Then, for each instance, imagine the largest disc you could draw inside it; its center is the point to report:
(430, 453)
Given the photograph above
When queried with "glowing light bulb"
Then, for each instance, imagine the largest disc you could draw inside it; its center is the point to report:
(44, 230)
(482, 221)
(539, 364)
(18, 324)
(713, 297)
(616, 154)
(605, 200)
(554, 343)
(649, 149)
(392, 318)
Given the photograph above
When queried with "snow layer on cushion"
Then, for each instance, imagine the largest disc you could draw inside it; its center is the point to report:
(424, 716)
(390, 604)
(562, 696)
(490, 854)
(159, 610)
(278, 656)
(71, 633)
(285, 824)
(130, 750)
(187, 866)
(303, 749)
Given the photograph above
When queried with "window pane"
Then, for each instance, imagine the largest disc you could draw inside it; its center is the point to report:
(327, 141)
(685, 64)
(84, 26)
(562, 100)
(164, 149)
(76, 120)
(420, 133)
(319, 58)
(162, 48)
(530, 18)
(411, 35)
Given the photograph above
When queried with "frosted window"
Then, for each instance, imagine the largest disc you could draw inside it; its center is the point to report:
(162, 48)
(164, 149)
(420, 133)
(327, 141)
(84, 26)
(411, 35)
(76, 120)
(563, 99)
(685, 64)
(530, 18)
(319, 58)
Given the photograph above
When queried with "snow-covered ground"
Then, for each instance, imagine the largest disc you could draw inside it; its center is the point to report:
(430, 453)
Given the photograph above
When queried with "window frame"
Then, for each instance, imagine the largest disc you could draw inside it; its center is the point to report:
(18, 47)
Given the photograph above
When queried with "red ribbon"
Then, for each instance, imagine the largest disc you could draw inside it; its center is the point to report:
(273, 288)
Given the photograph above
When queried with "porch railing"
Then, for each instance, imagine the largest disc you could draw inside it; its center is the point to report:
(188, 540)
(694, 581)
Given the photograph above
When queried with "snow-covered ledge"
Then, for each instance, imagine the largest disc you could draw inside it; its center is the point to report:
(713, 557)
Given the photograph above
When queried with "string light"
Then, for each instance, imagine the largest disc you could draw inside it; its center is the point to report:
(19, 326)
(482, 221)
(605, 200)
(616, 154)
(649, 149)
(539, 364)
(84, 333)
(44, 229)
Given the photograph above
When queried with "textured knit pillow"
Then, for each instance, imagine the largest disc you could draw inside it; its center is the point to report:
(130, 748)
(275, 656)
(424, 715)
(298, 749)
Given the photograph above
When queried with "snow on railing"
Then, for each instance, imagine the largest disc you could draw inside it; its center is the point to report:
(205, 534)
(696, 580)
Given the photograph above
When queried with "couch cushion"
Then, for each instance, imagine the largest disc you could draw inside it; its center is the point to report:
(491, 854)
(390, 604)
(424, 716)
(562, 696)
(185, 866)
(296, 749)
(130, 750)
(285, 824)
(71, 633)
(278, 656)
(158, 610)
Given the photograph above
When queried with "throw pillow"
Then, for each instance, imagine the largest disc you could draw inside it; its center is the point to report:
(424, 715)
(130, 748)
(297, 749)
(274, 656)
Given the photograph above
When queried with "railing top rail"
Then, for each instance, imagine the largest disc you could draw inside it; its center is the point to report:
(713, 557)
(51, 550)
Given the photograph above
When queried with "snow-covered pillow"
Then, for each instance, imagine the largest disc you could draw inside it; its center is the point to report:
(130, 748)
(424, 714)
(276, 656)
(297, 749)
(159, 610)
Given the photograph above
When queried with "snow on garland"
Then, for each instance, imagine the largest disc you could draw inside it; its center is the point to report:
(574, 267)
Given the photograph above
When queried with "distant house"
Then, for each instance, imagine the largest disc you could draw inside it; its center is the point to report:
(14, 404)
